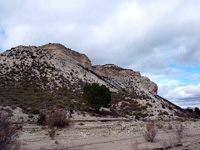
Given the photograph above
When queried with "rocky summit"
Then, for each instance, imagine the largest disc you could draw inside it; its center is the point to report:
(52, 75)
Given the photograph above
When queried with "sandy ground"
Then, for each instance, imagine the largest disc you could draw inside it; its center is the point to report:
(106, 134)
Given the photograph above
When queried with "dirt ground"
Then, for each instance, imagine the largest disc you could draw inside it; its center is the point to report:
(111, 134)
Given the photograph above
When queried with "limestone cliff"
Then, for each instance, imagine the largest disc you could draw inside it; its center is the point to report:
(125, 79)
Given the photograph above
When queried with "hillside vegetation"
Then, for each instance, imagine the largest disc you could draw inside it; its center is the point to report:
(52, 76)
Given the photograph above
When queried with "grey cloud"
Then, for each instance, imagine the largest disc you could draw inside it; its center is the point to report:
(186, 102)
(89, 26)
(145, 36)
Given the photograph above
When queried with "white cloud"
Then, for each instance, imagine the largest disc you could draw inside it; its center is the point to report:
(181, 94)
(162, 80)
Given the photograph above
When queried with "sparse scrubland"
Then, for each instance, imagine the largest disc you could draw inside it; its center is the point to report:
(52, 98)
(59, 130)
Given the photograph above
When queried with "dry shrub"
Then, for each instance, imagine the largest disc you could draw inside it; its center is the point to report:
(170, 127)
(169, 143)
(159, 125)
(17, 145)
(179, 131)
(81, 124)
(165, 145)
(173, 142)
(150, 133)
(134, 145)
(7, 132)
(58, 118)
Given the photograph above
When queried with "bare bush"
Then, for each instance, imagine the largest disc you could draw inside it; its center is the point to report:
(7, 132)
(57, 118)
(179, 131)
(159, 125)
(150, 133)
(170, 127)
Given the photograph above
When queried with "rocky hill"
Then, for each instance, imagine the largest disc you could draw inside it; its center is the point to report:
(52, 75)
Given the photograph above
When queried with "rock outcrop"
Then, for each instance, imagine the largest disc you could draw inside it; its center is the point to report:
(65, 53)
(125, 79)
(53, 66)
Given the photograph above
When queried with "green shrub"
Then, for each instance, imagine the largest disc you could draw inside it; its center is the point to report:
(142, 115)
(97, 96)
(137, 117)
(197, 111)
(163, 113)
(22, 106)
(52, 133)
(35, 111)
(41, 119)
(189, 110)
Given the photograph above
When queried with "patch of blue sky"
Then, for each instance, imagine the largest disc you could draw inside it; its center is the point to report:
(2, 35)
(189, 73)
(191, 69)
(172, 66)
(183, 79)
(2, 32)
(187, 68)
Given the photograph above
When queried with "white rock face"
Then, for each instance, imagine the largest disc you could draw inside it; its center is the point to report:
(126, 79)
(54, 61)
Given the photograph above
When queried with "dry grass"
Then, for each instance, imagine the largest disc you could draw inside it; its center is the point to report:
(150, 133)
(159, 125)
(165, 145)
(63, 148)
(173, 142)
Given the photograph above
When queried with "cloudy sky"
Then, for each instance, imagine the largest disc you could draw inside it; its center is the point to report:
(161, 39)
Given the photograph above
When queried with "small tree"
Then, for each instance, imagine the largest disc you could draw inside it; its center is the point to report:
(197, 111)
(189, 110)
(97, 96)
